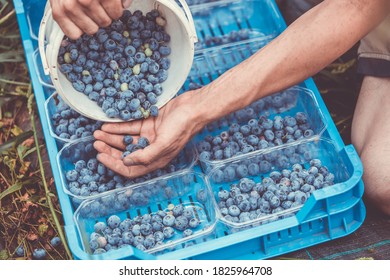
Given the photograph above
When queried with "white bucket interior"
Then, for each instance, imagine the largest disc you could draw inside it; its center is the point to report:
(182, 46)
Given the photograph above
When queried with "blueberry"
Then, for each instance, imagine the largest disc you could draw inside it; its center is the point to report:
(164, 50)
(20, 251)
(169, 220)
(39, 254)
(194, 222)
(168, 232)
(234, 211)
(300, 197)
(187, 232)
(55, 241)
(159, 236)
(143, 142)
(178, 210)
(181, 223)
(223, 194)
(187, 213)
(146, 229)
(253, 169)
(154, 111)
(246, 185)
(264, 206)
(149, 242)
(113, 221)
(127, 238)
(329, 178)
(308, 133)
(161, 213)
(72, 175)
(136, 230)
(127, 139)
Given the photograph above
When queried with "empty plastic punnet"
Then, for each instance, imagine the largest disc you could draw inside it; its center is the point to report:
(180, 26)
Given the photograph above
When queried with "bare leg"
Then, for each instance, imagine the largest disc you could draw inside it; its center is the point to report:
(371, 137)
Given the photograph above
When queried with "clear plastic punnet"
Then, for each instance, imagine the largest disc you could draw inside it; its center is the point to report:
(185, 188)
(93, 179)
(224, 22)
(44, 79)
(230, 174)
(54, 107)
(284, 104)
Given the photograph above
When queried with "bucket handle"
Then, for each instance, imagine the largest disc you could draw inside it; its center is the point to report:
(41, 38)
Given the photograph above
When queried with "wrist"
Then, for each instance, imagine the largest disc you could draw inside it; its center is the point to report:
(197, 113)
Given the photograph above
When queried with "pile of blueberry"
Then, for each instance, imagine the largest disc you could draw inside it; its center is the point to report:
(90, 177)
(257, 134)
(248, 200)
(68, 124)
(274, 104)
(131, 147)
(231, 37)
(144, 232)
(122, 66)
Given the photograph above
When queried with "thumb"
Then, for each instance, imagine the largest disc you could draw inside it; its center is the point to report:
(126, 3)
(145, 156)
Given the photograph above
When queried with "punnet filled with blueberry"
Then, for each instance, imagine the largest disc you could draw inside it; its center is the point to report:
(84, 176)
(278, 120)
(158, 216)
(229, 22)
(65, 123)
(123, 66)
(273, 185)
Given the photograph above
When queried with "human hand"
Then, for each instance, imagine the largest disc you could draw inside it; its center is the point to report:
(76, 17)
(176, 124)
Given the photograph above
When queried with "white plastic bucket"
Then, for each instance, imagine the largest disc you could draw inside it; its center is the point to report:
(180, 26)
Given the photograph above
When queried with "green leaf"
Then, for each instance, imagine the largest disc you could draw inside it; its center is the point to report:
(21, 151)
(14, 142)
(12, 189)
(3, 255)
(17, 186)
(30, 152)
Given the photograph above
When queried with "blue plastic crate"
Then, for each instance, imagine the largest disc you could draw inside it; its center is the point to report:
(327, 215)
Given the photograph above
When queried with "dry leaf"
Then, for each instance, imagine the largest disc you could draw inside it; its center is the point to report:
(32, 236)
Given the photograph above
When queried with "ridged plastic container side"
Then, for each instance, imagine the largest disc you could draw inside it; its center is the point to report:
(149, 198)
(83, 150)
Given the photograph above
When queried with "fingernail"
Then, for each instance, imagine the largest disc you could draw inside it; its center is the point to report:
(126, 3)
(128, 161)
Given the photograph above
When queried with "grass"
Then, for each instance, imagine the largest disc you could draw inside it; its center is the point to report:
(29, 211)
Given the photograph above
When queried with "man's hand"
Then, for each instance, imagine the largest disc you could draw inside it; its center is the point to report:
(175, 125)
(76, 17)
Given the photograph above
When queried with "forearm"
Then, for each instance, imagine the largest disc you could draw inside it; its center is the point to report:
(306, 47)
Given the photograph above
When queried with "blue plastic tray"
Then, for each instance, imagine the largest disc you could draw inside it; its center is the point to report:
(327, 215)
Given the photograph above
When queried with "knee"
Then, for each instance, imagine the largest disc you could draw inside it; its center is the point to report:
(377, 178)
